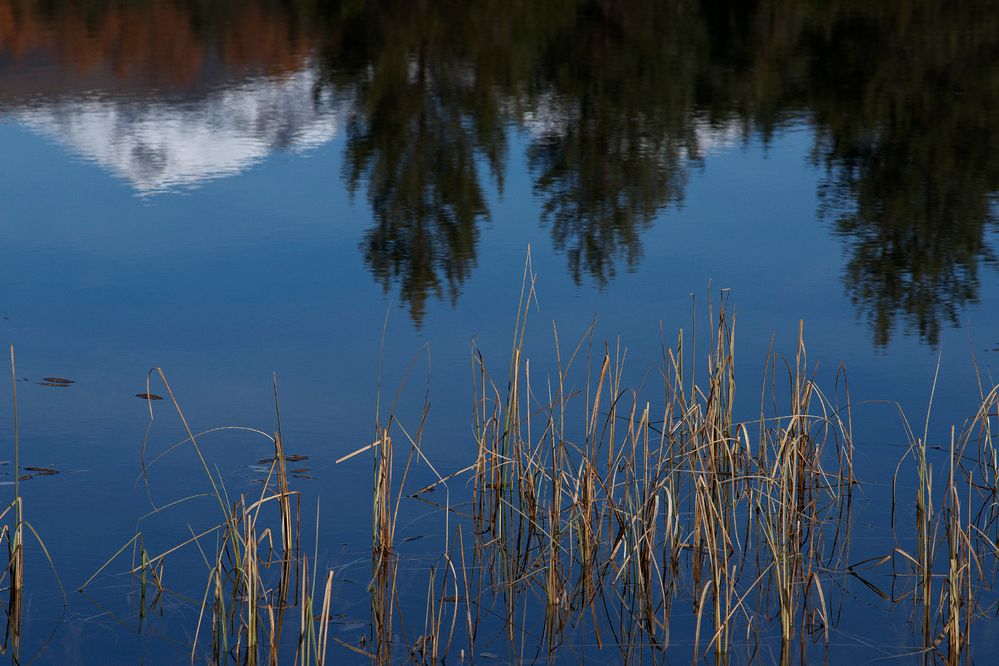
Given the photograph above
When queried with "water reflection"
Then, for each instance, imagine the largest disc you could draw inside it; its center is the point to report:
(618, 103)
(159, 94)
(615, 78)
(422, 118)
(159, 146)
(907, 120)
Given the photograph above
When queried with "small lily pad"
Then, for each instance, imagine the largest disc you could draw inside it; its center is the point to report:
(148, 396)
(58, 380)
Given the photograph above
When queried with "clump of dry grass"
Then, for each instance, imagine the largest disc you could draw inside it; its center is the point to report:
(14, 528)
(596, 507)
(950, 593)
(257, 572)
(639, 507)
(599, 508)
(12, 533)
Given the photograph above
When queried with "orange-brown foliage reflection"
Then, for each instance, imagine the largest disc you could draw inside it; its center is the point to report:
(153, 43)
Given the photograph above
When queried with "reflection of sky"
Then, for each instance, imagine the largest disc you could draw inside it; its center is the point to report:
(160, 145)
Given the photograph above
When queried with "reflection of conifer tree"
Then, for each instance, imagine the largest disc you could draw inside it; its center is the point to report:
(418, 166)
(905, 113)
(618, 87)
(902, 96)
(601, 188)
(913, 224)
(423, 120)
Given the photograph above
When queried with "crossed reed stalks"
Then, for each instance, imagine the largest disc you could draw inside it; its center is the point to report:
(257, 572)
(596, 509)
(610, 520)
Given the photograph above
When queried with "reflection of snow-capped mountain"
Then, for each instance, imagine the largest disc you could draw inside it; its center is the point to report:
(161, 145)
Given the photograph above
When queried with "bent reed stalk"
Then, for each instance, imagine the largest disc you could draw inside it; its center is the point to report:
(257, 573)
(14, 528)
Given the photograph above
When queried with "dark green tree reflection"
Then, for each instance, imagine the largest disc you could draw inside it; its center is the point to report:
(903, 99)
(908, 141)
(421, 121)
(605, 92)
(617, 86)
(613, 95)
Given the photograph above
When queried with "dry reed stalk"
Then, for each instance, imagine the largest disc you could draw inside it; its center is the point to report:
(13, 529)
(384, 564)
(14, 536)
(957, 569)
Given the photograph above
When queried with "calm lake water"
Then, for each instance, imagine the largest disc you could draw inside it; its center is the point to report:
(229, 190)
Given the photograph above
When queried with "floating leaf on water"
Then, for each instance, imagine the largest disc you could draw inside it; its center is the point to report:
(25, 477)
(301, 470)
(58, 380)
(292, 458)
(51, 384)
(44, 471)
(148, 396)
(303, 476)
